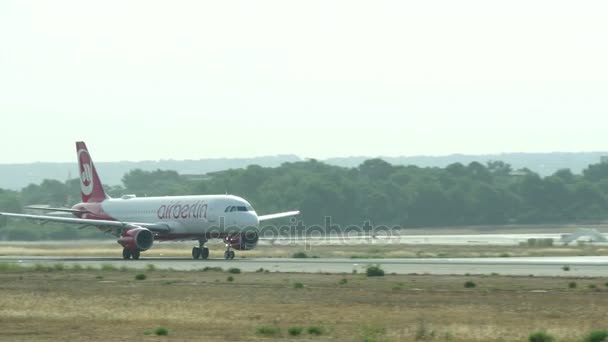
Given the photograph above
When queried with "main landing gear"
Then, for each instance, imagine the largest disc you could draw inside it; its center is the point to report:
(128, 254)
(201, 251)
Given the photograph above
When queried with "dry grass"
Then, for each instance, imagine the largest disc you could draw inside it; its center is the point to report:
(109, 305)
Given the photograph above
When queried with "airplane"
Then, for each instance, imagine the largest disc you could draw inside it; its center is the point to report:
(139, 221)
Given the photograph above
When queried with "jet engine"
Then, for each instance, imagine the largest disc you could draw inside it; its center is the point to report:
(136, 239)
(243, 241)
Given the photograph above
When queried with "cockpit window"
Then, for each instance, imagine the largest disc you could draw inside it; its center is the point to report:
(233, 208)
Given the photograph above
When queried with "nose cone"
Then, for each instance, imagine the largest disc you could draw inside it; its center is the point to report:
(252, 219)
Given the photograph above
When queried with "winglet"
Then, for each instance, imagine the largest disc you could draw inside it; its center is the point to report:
(90, 186)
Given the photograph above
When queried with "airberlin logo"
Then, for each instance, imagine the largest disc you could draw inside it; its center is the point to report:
(184, 211)
(86, 172)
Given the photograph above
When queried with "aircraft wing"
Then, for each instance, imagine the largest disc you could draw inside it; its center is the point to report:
(155, 227)
(67, 210)
(278, 215)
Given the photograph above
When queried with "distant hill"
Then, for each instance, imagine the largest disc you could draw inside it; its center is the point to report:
(17, 176)
(544, 164)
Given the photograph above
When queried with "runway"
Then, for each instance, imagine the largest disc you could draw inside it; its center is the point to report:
(596, 266)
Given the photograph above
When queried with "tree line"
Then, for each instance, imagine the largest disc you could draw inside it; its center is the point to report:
(376, 191)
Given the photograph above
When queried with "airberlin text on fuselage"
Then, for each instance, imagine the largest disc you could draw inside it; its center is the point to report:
(185, 211)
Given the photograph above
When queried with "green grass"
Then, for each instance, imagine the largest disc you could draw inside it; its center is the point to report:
(295, 331)
(161, 331)
(298, 285)
(299, 255)
(540, 336)
(596, 336)
(108, 268)
(268, 331)
(140, 276)
(9, 267)
(315, 330)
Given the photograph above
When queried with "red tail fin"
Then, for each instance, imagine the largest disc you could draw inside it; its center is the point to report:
(90, 185)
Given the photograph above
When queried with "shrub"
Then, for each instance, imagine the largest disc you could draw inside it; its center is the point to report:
(572, 284)
(606, 284)
(260, 270)
(343, 281)
(268, 331)
(161, 331)
(212, 269)
(230, 278)
(315, 330)
(299, 255)
(77, 267)
(234, 270)
(592, 286)
(596, 336)
(470, 284)
(140, 276)
(540, 336)
(99, 277)
(566, 268)
(374, 271)
(58, 267)
(294, 331)
(298, 285)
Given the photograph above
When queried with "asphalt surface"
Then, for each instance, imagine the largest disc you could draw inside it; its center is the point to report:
(521, 266)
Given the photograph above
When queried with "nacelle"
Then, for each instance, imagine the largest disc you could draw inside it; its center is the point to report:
(137, 239)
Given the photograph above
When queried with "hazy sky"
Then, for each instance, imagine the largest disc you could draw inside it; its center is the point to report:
(141, 80)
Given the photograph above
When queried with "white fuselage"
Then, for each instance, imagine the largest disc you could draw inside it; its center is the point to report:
(184, 215)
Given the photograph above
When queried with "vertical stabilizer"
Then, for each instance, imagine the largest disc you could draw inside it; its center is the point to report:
(91, 188)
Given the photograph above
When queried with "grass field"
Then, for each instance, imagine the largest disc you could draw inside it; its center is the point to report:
(183, 249)
(39, 304)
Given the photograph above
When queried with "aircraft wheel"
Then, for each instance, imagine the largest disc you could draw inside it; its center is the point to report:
(135, 255)
(205, 253)
(227, 255)
(196, 253)
(231, 255)
(126, 254)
